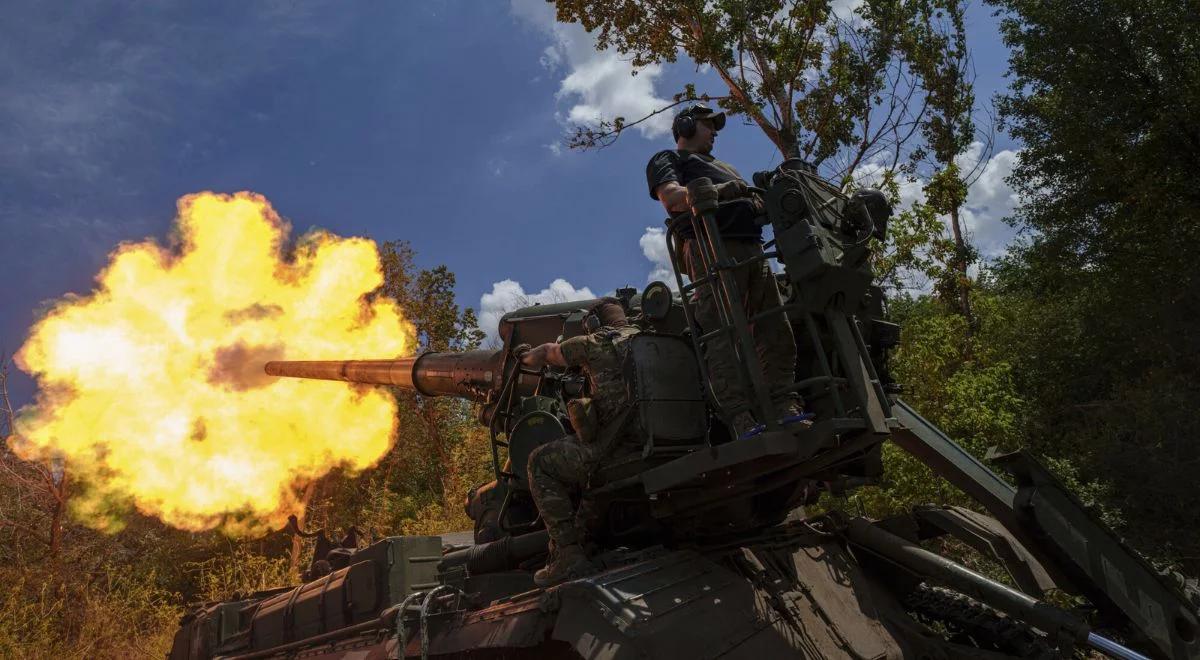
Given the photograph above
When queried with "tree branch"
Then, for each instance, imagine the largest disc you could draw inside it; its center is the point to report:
(6, 409)
(586, 137)
(29, 531)
(742, 97)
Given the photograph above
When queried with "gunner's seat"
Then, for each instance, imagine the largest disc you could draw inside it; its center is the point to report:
(670, 417)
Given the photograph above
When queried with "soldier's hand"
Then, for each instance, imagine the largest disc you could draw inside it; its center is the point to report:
(735, 189)
(760, 207)
(521, 350)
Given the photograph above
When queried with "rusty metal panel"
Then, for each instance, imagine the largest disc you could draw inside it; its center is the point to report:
(367, 647)
(777, 604)
(677, 605)
(515, 624)
(837, 614)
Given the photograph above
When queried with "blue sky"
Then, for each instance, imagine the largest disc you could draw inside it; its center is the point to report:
(436, 122)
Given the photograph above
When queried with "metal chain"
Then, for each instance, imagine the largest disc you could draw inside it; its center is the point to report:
(445, 588)
(401, 637)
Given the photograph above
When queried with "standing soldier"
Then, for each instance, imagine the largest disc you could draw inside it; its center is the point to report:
(695, 132)
(559, 470)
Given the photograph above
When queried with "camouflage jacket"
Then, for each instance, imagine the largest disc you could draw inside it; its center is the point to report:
(601, 355)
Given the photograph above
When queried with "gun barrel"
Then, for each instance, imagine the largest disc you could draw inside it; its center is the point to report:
(469, 374)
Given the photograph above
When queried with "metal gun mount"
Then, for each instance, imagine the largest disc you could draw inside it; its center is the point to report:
(704, 551)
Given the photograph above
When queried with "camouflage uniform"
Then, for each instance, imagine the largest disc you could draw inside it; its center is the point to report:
(559, 470)
(773, 338)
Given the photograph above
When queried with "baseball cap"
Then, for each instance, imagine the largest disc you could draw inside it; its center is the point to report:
(701, 111)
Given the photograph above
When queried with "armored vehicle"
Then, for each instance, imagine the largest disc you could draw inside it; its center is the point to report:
(702, 540)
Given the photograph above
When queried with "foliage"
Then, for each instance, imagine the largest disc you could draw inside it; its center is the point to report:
(239, 571)
(427, 298)
(836, 90)
(1104, 98)
(1086, 343)
(113, 613)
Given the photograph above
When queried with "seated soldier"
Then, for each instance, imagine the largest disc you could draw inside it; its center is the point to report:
(560, 470)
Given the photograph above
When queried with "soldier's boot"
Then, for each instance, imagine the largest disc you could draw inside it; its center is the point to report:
(567, 562)
(793, 417)
(744, 425)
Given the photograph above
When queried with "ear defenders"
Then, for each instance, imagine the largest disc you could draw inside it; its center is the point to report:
(684, 126)
(591, 322)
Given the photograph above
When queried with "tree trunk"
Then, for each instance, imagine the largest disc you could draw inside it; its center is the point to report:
(297, 541)
(56, 516)
(445, 468)
(962, 286)
(788, 145)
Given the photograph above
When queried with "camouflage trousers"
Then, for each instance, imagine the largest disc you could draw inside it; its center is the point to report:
(773, 338)
(558, 473)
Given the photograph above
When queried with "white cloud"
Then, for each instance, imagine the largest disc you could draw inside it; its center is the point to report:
(508, 295)
(598, 84)
(551, 59)
(654, 247)
(844, 9)
(989, 200)
(870, 175)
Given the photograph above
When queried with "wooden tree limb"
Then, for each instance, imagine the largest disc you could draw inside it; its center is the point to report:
(588, 138)
(739, 93)
(28, 531)
(7, 416)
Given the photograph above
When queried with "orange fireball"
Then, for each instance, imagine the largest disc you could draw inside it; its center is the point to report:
(151, 388)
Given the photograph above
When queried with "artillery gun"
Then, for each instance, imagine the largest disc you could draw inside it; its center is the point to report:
(704, 547)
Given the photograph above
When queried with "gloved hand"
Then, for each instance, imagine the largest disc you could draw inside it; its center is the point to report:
(760, 207)
(735, 189)
(520, 350)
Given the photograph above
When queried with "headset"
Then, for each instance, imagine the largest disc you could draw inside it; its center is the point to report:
(685, 123)
(684, 126)
(591, 322)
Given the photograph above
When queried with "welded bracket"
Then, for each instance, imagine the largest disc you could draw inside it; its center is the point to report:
(990, 538)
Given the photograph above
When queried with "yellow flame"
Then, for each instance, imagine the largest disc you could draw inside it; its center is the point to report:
(151, 388)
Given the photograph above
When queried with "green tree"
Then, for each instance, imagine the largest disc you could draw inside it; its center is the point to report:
(940, 57)
(835, 90)
(959, 380)
(1105, 97)
(949, 130)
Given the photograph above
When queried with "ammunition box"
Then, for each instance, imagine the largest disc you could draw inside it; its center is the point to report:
(404, 565)
(203, 631)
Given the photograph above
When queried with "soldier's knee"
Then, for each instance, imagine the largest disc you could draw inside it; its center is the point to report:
(544, 459)
(536, 464)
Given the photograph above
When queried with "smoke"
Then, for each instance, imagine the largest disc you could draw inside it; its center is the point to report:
(240, 367)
